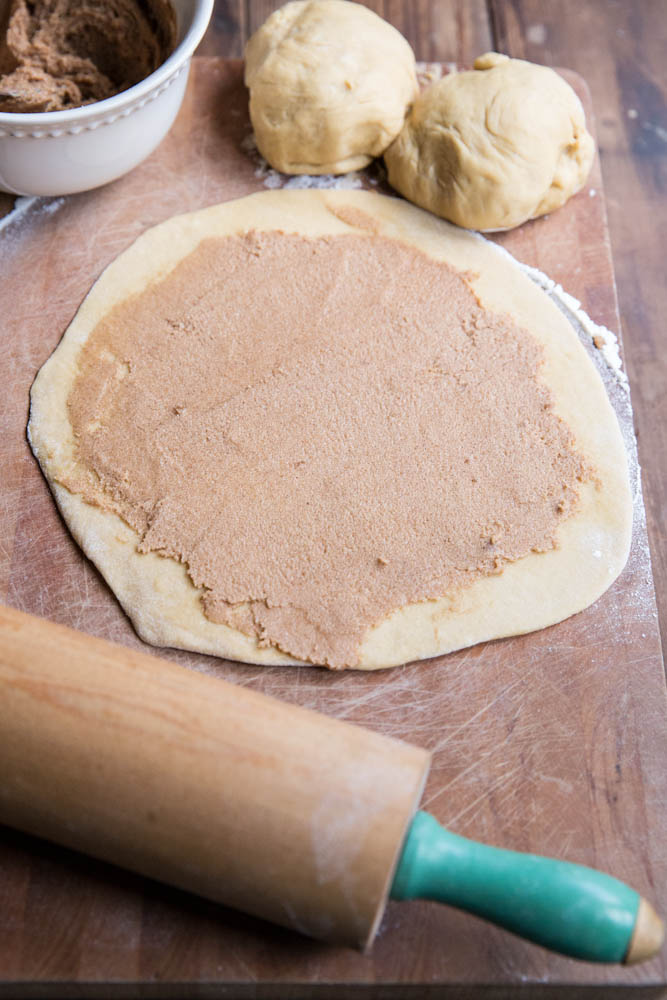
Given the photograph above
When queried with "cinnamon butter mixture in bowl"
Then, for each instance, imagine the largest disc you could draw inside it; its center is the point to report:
(322, 430)
(89, 88)
(61, 54)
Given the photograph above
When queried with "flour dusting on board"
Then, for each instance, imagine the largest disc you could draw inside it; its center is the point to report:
(605, 342)
(25, 207)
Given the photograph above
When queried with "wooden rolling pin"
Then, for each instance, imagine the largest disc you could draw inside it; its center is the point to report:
(267, 807)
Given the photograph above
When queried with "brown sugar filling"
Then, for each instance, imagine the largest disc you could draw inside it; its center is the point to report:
(61, 54)
(324, 431)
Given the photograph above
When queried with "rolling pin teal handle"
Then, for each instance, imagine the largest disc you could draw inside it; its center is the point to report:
(565, 907)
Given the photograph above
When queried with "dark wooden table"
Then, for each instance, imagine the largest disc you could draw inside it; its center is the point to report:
(619, 47)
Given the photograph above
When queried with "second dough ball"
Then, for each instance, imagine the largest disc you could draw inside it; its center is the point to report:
(330, 84)
(494, 146)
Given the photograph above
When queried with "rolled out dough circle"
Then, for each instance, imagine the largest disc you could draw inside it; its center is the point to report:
(531, 593)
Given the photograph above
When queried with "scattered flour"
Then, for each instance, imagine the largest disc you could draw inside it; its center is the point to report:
(349, 181)
(24, 206)
(604, 340)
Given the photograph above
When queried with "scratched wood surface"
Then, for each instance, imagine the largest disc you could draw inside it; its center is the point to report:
(553, 742)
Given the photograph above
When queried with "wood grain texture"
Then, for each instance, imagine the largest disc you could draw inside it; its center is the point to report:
(552, 742)
(619, 48)
(438, 30)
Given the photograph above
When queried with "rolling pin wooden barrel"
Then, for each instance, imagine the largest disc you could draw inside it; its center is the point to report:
(282, 812)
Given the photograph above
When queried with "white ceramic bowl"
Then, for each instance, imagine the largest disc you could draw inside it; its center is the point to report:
(61, 152)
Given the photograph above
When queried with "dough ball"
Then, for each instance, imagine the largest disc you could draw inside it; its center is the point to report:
(492, 147)
(330, 84)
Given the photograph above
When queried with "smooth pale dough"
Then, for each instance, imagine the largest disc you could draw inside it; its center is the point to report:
(330, 84)
(494, 146)
(529, 594)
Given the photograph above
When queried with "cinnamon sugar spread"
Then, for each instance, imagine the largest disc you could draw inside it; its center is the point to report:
(323, 430)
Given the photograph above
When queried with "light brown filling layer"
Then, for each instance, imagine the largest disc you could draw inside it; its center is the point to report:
(323, 431)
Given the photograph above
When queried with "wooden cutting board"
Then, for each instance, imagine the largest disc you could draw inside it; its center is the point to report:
(554, 742)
